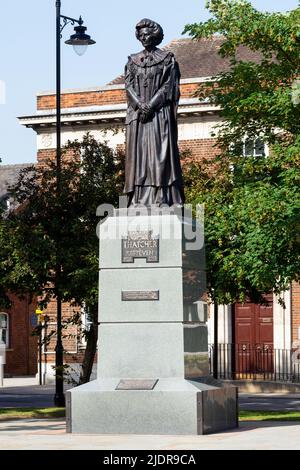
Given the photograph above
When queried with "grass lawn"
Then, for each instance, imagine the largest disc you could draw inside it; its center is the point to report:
(48, 413)
(23, 413)
(269, 415)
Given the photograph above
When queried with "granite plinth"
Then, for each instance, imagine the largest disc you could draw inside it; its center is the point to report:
(174, 406)
(153, 328)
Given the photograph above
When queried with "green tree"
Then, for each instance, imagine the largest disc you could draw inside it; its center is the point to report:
(4, 299)
(252, 203)
(91, 175)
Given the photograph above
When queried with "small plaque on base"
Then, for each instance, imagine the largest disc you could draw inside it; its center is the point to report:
(136, 384)
(135, 295)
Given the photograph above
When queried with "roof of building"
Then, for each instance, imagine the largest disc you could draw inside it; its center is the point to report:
(200, 58)
(9, 175)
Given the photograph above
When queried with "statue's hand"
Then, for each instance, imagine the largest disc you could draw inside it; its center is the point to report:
(146, 112)
(145, 108)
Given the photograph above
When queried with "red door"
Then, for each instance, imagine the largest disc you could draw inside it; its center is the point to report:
(254, 337)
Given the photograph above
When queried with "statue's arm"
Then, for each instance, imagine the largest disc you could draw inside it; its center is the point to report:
(131, 95)
(169, 91)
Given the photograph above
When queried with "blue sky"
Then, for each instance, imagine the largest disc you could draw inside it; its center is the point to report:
(28, 51)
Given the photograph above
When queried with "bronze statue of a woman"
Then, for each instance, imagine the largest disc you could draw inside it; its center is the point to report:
(153, 172)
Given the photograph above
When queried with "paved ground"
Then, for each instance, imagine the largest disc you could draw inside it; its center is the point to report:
(50, 435)
(269, 402)
(23, 392)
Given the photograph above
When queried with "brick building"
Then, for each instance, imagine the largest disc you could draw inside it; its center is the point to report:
(17, 323)
(101, 111)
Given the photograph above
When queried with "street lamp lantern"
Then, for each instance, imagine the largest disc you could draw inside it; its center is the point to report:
(80, 40)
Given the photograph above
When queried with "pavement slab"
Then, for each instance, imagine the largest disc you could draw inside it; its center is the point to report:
(50, 435)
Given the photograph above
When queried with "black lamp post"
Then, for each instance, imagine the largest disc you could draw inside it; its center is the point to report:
(80, 41)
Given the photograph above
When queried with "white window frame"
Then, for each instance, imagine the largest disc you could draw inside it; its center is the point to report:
(85, 323)
(6, 203)
(6, 328)
(254, 154)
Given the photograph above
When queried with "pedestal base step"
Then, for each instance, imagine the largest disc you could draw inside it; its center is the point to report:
(174, 406)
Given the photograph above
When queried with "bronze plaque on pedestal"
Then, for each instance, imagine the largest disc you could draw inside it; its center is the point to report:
(140, 245)
(136, 295)
(136, 384)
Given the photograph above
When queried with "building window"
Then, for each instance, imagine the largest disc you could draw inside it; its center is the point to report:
(5, 203)
(251, 148)
(255, 148)
(4, 331)
(8, 204)
(86, 324)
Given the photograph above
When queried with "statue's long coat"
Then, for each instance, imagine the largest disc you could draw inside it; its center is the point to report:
(153, 172)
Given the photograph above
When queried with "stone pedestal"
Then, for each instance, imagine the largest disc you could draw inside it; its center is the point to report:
(153, 353)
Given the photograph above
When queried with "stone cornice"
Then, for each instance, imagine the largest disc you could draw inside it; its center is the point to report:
(107, 114)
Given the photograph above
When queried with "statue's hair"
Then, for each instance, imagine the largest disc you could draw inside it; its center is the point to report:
(157, 31)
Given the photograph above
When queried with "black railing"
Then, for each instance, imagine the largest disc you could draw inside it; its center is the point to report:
(256, 362)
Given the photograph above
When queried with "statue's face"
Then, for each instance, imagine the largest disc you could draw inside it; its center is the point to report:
(146, 37)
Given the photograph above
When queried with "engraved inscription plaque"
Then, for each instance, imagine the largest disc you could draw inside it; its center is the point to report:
(139, 245)
(134, 295)
(136, 384)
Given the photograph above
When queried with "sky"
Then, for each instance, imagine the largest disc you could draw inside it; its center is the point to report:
(28, 52)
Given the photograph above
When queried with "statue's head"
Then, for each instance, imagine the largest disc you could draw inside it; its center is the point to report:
(149, 33)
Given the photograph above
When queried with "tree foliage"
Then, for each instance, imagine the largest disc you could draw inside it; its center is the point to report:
(45, 220)
(255, 97)
(252, 203)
